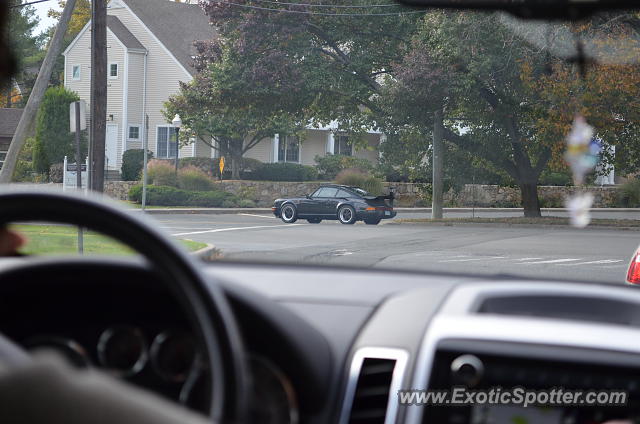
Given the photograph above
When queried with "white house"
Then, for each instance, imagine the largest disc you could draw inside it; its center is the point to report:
(149, 51)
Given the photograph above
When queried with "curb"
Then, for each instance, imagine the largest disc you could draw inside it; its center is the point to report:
(221, 211)
(206, 252)
(589, 227)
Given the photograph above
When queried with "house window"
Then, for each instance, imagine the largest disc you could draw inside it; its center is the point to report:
(113, 70)
(134, 132)
(166, 142)
(3, 156)
(341, 145)
(289, 149)
(75, 72)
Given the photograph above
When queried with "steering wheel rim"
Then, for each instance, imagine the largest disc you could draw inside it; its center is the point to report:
(204, 303)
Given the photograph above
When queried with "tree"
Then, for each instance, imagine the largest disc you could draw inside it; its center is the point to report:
(27, 46)
(53, 139)
(338, 55)
(79, 18)
(231, 109)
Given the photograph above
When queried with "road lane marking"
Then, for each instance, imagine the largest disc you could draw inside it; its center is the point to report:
(603, 261)
(552, 261)
(527, 259)
(257, 216)
(219, 230)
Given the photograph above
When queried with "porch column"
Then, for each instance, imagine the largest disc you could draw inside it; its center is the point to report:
(330, 143)
(276, 147)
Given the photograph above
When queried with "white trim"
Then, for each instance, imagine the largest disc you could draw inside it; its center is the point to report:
(193, 147)
(64, 76)
(126, 6)
(129, 126)
(111, 77)
(73, 78)
(75, 40)
(144, 103)
(125, 101)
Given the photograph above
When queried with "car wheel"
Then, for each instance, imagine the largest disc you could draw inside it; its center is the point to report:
(314, 220)
(347, 215)
(375, 221)
(289, 214)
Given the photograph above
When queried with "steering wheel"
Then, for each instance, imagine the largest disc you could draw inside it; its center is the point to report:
(204, 303)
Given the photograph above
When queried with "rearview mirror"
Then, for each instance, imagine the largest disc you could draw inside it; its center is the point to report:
(531, 9)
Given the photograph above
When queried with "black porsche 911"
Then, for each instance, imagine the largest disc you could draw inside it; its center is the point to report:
(332, 201)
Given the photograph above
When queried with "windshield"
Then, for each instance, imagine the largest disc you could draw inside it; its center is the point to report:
(478, 142)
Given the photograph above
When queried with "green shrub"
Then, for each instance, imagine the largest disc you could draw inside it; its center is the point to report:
(23, 172)
(362, 179)
(132, 162)
(162, 173)
(192, 178)
(171, 196)
(284, 172)
(629, 194)
(205, 165)
(249, 166)
(331, 165)
(230, 203)
(555, 179)
(246, 203)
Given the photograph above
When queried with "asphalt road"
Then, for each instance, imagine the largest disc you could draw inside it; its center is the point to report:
(590, 254)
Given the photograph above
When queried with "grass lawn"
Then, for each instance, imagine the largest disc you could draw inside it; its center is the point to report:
(59, 239)
(549, 220)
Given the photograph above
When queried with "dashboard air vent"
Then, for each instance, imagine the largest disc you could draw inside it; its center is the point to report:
(371, 396)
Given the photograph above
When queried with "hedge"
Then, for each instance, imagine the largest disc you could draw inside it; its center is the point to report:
(171, 196)
(132, 162)
(329, 166)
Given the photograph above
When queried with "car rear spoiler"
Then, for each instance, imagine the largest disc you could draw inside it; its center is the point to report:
(389, 196)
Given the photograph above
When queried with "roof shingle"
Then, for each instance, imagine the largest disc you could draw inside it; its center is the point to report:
(124, 35)
(9, 119)
(176, 25)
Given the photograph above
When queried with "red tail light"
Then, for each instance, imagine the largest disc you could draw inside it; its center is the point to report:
(633, 275)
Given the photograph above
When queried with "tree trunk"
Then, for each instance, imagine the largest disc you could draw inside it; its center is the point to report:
(37, 93)
(437, 161)
(530, 201)
(235, 167)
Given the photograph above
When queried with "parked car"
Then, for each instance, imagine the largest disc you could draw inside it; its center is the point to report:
(331, 201)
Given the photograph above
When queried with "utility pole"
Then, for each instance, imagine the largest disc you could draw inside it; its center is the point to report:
(37, 93)
(438, 154)
(98, 93)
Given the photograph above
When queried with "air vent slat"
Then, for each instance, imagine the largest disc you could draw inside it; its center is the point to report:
(371, 397)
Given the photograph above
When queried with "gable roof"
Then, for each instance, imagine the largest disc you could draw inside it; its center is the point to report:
(176, 25)
(123, 34)
(9, 118)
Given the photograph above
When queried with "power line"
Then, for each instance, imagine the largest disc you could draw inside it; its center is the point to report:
(301, 12)
(334, 6)
(27, 4)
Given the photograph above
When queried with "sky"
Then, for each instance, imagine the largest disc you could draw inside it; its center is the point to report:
(41, 11)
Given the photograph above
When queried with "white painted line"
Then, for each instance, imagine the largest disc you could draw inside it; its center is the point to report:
(220, 230)
(486, 258)
(552, 261)
(527, 259)
(257, 216)
(603, 261)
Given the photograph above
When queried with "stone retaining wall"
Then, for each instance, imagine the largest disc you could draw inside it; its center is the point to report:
(407, 194)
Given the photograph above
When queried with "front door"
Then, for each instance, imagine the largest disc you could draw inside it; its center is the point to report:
(111, 147)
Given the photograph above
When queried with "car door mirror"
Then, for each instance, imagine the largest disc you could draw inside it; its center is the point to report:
(308, 196)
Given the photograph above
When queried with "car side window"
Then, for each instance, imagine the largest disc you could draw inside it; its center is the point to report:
(328, 192)
(344, 194)
(317, 193)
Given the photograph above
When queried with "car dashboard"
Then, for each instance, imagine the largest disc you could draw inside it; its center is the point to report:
(336, 345)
